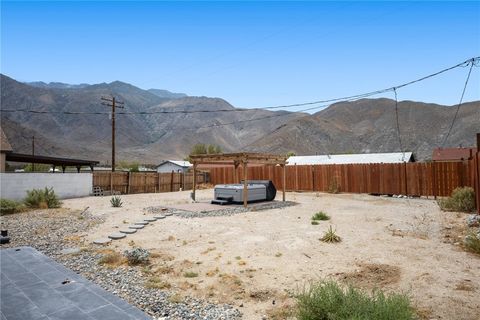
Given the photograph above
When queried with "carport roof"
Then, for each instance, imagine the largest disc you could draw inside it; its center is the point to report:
(55, 161)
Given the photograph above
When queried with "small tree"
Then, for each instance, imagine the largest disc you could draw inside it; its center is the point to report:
(291, 154)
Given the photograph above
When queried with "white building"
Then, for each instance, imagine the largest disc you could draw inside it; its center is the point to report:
(392, 157)
(173, 165)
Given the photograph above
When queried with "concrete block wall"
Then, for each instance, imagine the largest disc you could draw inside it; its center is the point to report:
(66, 185)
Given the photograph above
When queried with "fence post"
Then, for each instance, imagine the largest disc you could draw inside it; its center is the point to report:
(111, 182)
(405, 177)
(171, 181)
(434, 181)
(296, 177)
(128, 182)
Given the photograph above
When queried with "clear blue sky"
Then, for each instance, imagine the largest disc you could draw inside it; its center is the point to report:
(252, 54)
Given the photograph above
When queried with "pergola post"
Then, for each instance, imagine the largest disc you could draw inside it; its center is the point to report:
(245, 189)
(235, 172)
(284, 175)
(194, 180)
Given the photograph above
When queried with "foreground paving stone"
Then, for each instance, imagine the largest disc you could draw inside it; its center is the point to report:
(142, 222)
(158, 217)
(29, 292)
(128, 231)
(150, 219)
(117, 235)
(168, 214)
(136, 226)
(102, 241)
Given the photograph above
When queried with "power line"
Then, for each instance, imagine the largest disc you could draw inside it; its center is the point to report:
(473, 61)
(460, 103)
(398, 123)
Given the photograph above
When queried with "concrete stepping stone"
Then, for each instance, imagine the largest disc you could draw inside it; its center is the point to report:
(152, 219)
(159, 217)
(128, 231)
(168, 214)
(142, 222)
(136, 226)
(117, 236)
(102, 241)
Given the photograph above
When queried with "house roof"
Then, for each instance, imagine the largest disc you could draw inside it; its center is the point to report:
(184, 164)
(4, 144)
(449, 154)
(393, 157)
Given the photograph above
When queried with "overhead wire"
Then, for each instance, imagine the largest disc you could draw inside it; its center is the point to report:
(472, 63)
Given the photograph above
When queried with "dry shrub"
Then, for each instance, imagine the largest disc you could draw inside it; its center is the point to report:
(157, 283)
(461, 200)
(333, 187)
(373, 275)
(112, 259)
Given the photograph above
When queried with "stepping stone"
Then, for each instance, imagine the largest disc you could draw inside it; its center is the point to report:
(117, 236)
(168, 214)
(102, 241)
(70, 251)
(142, 222)
(150, 219)
(136, 226)
(128, 231)
(159, 217)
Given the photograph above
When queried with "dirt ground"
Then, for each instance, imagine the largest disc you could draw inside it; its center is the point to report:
(256, 260)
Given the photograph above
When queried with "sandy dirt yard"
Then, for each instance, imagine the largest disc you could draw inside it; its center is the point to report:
(256, 260)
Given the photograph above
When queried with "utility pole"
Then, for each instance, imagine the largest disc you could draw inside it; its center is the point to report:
(113, 103)
(33, 152)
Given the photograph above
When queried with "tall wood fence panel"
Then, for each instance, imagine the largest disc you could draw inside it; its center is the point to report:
(146, 182)
(414, 179)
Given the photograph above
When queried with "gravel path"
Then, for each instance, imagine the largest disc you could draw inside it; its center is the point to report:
(225, 211)
(57, 231)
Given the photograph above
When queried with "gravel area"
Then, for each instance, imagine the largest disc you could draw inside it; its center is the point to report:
(224, 211)
(59, 234)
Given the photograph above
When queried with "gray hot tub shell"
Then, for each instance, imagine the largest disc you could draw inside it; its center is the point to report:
(234, 192)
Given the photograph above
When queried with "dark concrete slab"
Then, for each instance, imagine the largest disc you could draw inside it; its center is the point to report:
(35, 287)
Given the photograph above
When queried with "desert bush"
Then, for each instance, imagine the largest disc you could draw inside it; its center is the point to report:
(461, 200)
(111, 259)
(42, 198)
(327, 300)
(330, 236)
(157, 283)
(9, 206)
(136, 256)
(472, 242)
(116, 202)
(190, 274)
(333, 187)
(321, 216)
(315, 222)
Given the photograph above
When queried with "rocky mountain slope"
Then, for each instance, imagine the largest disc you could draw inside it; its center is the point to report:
(147, 138)
(369, 125)
(168, 129)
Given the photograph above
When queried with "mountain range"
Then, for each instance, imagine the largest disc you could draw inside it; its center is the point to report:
(159, 124)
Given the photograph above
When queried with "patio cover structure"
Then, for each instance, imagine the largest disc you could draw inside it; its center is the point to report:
(54, 161)
(237, 159)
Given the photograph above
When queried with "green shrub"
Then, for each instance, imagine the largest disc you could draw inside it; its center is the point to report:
(326, 300)
(330, 236)
(320, 216)
(472, 242)
(116, 202)
(190, 274)
(137, 256)
(315, 222)
(8, 206)
(462, 200)
(42, 198)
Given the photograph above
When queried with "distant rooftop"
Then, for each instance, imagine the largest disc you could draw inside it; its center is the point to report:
(179, 163)
(453, 154)
(393, 157)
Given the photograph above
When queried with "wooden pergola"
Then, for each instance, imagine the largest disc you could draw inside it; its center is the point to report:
(237, 159)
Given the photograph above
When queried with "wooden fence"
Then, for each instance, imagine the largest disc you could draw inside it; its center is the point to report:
(414, 179)
(146, 182)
